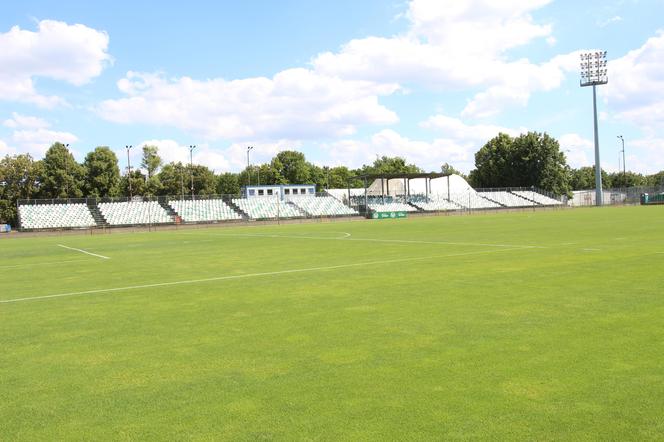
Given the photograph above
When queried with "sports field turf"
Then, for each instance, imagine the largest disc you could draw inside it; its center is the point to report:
(534, 325)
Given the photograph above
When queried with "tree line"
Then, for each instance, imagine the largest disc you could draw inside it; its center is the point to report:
(535, 159)
(532, 159)
(58, 175)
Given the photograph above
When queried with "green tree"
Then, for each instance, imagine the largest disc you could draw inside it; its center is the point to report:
(102, 173)
(138, 186)
(174, 179)
(20, 178)
(493, 163)
(151, 162)
(291, 167)
(205, 182)
(339, 177)
(532, 159)
(389, 165)
(62, 176)
(656, 179)
(584, 178)
(228, 184)
(627, 179)
(449, 169)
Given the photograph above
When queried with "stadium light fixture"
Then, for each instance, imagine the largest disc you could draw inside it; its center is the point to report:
(248, 169)
(620, 137)
(129, 169)
(594, 73)
(191, 168)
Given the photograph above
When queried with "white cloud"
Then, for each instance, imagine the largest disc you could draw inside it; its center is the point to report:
(33, 135)
(456, 146)
(5, 149)
(577, 149)
(294, 104)
(635, 91)
(458, 45)
(229, 158)
(456, 129)
(645, 154)
(37, 141)
(448, 47)
(57, 50)
(23, 121)
(609, 21)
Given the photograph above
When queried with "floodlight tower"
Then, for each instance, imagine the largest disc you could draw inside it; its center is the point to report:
(593, 73)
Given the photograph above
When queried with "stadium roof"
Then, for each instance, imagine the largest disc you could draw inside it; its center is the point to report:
(389, 176)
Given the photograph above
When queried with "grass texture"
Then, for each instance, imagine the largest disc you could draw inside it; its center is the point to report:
(543, 325)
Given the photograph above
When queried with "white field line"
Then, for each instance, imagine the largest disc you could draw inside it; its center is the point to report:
(43, 263)
(254, 275)
(591, 250)
(399, 241)
(84, 251)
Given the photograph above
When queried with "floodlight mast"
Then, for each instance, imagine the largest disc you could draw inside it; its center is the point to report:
(594, 73)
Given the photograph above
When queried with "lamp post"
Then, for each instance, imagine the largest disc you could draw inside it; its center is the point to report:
(129, 169)
(594, 73)
(620, 137)
(181, 168)
(191, 168)
(66, 172)
(249, 170)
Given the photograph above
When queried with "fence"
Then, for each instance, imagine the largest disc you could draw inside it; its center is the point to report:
(624, 196)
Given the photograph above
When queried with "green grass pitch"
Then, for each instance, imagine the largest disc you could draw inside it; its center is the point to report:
(542, 325)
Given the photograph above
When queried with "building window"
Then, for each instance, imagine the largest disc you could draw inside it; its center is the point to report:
(269, 191)
(261, 192)
(252, 192)
(286, 191)
(294, 191)
(303, 191)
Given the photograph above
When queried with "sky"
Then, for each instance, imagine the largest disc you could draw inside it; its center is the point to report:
(343, 81)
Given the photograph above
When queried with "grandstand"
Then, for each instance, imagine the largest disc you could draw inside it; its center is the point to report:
(435, 204)
(55, 216)
(209, 210)
(419, 193)
(267, 208)
(537, 197)
(505, 198)
(134, 213)
(321, 206)
(392, 206)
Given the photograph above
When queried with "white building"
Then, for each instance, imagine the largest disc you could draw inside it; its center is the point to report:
(281, 191)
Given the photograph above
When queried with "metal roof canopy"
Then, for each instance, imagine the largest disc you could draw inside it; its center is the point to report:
(389, 176)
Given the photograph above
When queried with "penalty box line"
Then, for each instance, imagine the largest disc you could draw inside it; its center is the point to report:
(254, 275)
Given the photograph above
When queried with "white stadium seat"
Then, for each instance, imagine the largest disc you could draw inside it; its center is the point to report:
(55, 216)
(204, 210)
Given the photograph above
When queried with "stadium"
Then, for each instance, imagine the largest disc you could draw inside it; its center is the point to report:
(274, 317)
(409, 193)
(331, 221)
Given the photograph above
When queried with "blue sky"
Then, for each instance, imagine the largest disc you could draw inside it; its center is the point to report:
(342, 81)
